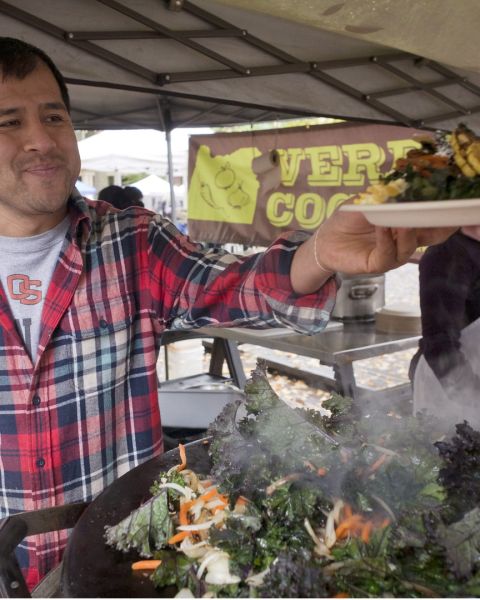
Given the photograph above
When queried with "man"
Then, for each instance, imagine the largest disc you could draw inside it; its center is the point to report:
(86, 291)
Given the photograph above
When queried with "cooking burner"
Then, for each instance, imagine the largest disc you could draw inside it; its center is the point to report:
(91, 569)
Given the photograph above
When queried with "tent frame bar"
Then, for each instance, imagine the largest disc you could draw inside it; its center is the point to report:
(286, 64)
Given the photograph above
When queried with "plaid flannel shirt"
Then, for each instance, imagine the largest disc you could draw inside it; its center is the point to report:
(85, 411)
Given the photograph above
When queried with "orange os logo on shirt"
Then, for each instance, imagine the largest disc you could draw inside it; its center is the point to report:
(21, 287)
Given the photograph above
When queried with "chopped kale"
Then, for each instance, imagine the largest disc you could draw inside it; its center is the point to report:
(239, 539)
(294, 575)
(146, 529)
(419, 496)
(177, 570)
(461, 541)
(172, 477)
(460, 475)
(271, 440)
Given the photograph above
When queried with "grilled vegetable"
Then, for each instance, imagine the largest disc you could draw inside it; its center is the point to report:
(445, 167)
(304, 505)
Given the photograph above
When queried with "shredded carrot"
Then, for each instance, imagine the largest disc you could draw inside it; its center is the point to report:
(385, 523)
(347, 511)
(366, 531)
(178, 537)
(322, 471)
(183, 512)
(146, 565)
(347, 524)
(182, 516)
(378, 463)
(341, 595)
(183, 457)
(223, 498)
(208, 495)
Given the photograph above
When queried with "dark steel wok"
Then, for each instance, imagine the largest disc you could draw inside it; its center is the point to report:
(90, 569)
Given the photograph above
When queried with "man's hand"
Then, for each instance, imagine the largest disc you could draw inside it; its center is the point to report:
(348, 243)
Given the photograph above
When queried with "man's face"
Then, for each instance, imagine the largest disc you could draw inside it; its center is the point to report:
(39, 160)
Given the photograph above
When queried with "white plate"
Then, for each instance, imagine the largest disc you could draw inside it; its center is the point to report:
(436, 213)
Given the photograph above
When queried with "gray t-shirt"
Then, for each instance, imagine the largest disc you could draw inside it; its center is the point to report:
(26, 268)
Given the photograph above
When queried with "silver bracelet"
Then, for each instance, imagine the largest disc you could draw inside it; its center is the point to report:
(319, 264)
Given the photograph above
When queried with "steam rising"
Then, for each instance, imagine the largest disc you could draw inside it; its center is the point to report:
(457, 398)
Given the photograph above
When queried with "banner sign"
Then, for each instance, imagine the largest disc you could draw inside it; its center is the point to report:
(249, 187)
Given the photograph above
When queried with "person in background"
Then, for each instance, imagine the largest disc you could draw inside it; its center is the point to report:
(87, 290)
(447, 378)
(114, 195)
(134, 196)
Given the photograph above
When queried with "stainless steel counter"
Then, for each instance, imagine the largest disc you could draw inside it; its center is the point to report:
(339, 346)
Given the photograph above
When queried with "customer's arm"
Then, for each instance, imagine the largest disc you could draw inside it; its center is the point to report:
(348, 243)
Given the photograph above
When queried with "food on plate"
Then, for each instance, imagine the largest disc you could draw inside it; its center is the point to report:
(445, 167)
(300, 504)
(466, 145)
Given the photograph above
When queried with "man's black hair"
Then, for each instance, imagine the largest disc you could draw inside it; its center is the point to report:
(18, 59)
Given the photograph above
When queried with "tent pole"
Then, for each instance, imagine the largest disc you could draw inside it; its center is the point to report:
(173, 203)
(166, 121)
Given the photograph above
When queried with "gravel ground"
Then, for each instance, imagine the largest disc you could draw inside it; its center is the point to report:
(401, 286)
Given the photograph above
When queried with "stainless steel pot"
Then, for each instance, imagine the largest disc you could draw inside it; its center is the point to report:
(359, 297)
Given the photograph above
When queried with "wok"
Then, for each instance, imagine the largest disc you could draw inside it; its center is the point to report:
(92, 569)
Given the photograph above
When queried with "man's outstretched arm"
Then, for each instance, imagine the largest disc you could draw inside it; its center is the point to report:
(348, 243)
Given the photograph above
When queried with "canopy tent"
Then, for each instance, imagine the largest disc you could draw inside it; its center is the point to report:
(439, 30)
(134, 152)
(170, 63)
(157, 193)
(153, 186)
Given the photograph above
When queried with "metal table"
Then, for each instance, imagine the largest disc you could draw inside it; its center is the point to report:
(336, 347)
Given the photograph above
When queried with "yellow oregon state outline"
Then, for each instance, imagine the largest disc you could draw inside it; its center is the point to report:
(223, 187)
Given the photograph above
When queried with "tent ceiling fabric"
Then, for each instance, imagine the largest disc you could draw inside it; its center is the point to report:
(176, 63)
(441, 30)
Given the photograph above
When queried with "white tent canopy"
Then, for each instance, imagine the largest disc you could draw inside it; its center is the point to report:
(137, 151)
(157, 195)
(153, 186)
